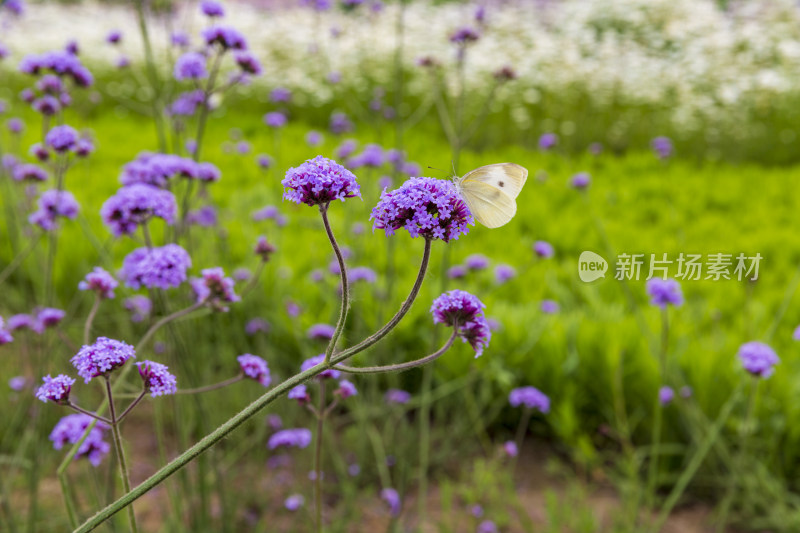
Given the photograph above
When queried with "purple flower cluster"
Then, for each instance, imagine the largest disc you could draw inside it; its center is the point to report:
(51, 205)
(36, 322)
(294, 502)
(397, 396)
(371, 156)
(362, 273)
(190, 66)
(248, 63)
(476, 262)
(321, 332)
(158, 169)
(317, 360)
(226, 37)
(255, 368)
(464, 36)
(346, 389)
(299, 393)
(319, 181)
(211, 8)
(580, 181)
(134, 205)
(543, 249)
(425, 207)
(392, 499)
(5, 336)
(61, 138)
(186, 104)
(162, 267)
(102, 357)
(70, 430)
(666, 395)
(157, 378)
(664, 292)
(275, 119)
(758, 359)
(100, 281)
(465, 311)
(263, 248)
(257, 325)
(139, 306)
(662, 146)
(214, 289)
(530, 397)
(548, 141)
(29, 172)
(299, 437)
(340, 123)
(55, 389)
(59, 62)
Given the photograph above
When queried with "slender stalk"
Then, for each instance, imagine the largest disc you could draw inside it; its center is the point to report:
(323, 210)
(404, 308)
(87, 412)
(213, 386)
(131, 406)
(401, 366)
(254, 282)
(87, 327)
(153, 73)
(524, 421)
(652, 475)
(318, 457)
(146, 234)
(201, 123)
(68, 503)
(17, 261)
(165, 320)
(123, 466)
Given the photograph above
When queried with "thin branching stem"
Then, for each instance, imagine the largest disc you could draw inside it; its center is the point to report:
(323, 209)
(401, 366)
(213, 386)
(87, 327)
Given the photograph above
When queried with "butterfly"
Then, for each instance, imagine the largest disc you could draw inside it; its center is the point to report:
(490, 192)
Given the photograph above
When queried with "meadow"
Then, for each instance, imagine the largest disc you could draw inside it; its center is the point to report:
(442, 446)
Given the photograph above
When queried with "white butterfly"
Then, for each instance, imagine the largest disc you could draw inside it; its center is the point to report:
(490, 192)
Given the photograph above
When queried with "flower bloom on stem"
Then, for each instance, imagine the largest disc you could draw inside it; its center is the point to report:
(340, 123)
(362, 274)
(263, 248)
(664, 292)
(61, 63)
(487, 526)
(101, 358)
(461, 308)
(190, 66)
(280, 94)
(392, 499)
(17, 383)
(139, 306)
(162, 267)
(580, 181)
(345, 390)
(457, 272)
(55, 389)
(61, 138)
(294, 502)
(51, 205)
(248, 63)
(666, 395)
(397, 396)
(114, 37)
(543, 249)
(662, 146)
(48, 317)
(550, 307)
(299, 393)
(23, 321)
(464, 35)
(322, 332)
(530, 397)
(134, 205)
(275, 119)
(316, 360)
(511, 449)
(70, 430)
(214, 289)
(5, 336)
(758, 359)
(255, 368)
(299, 437)
(476, 262)
(226, 37)
(211, 8)
(319, 181)
(425, 207)
(504, 273)
(29, 172)
(157, 378)
(257, 325)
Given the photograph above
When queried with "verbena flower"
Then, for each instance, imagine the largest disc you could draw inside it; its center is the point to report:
(256, 325)
(666, 395)
(316, 360)
(464, 35)
(15, 125)
(185, 105)
(581, 180)
(280, 95)
(392, 499)
(51, 205)
(242, 274)
(179, 39)
(70, 429)
(371, 156)
(476, 262)
(758, 359)
(255, 368)
(48, 317)
(299, 393)
(299, 437)
(530, 397)
(17, 383)
(487, 526)
(548, 141)
(205, 217)
(55, 389)
(61, 63)
(543, 249)
(549, 307)
(321, 332)
(190, 66)
(84, 147)
(101, 358)
(5, 335)
(162, 268)
(456, 307)
(362, 273)
(345, 390)
(275, 119)
(139, 306)
(212, 9)
(61, 138)
(313, 138)
(504, 273)
(294, 502)
(214, 289)
(477, 333)
(662, 146)
(319, 181)
(664, 292)
(424, 207)
(134, 205)
(159, 169)
(157, 378)
(114, 37)
(264, 161)
(22, 321)
(226, 37)
(457, 272)
(29, 172)
(263, 248)
(340, 123)
(397, 396)
(511, 449)
(248, 63)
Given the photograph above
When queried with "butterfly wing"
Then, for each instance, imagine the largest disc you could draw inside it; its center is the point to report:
(488, 204)
(508, 177)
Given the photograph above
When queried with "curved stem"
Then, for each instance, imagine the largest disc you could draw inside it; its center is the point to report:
(318, 457)
(253, 282)
(323, 209)
(87, 328)
(401, 366)
(165, 320)
(87, 412)
(123, 466)
(131, 406)
(213, 386)
(381, 333)
(153, 73)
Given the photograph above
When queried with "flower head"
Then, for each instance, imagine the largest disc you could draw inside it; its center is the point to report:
(114, 37)
(299, 437)
(340, 123)
(275, 119)
(662, 146)
(664, 292)
(319, 181)
(476, 262)
(504, 273)
(464, 35)
(55, 389)
(543, 249)
(397, 396)
(214, 289)
(580, 181)
(134, 205)
(758, 359)
(53, 204)
(190, 66)
(666, 395)
(48, 317)
(248, 63)
(477, 333)
(255, 368)
(321, 332)
(263, 248)
(548, 141)
(319, 359)
(392, 499)
(102, 357)
(139, 306)
(162, 267)
(211, 8)
(425, 207)
(157, 378)
(226, 37)
(345, 390)
(362, 273)
(549, 307)
(61, 138)
(256, 325)
(17, 383)
(299, 393)
(456, 307)
(530, 397)
(280, 94)
(511, 449)
(70, 430)
(457, 272)
(294, 502)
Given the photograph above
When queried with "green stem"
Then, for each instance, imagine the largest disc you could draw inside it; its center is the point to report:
(123, 466)
(87, 328)
(213, 386)
(165, 320)
(153, 73)
(401, 366)
(130, 407)
(318, 457)
(14, 264)
(89, 413)
(323, 210)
